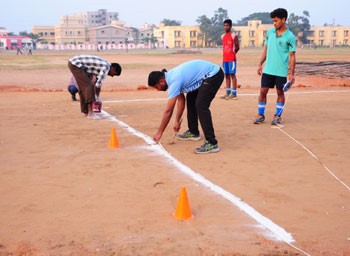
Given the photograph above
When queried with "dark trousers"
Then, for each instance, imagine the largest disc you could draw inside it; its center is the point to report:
(86, 87)
(198, 103)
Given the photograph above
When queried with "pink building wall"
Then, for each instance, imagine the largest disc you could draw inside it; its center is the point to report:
(11, 42)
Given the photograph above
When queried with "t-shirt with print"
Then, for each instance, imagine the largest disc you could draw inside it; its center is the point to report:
(278, 49)
(189, 76)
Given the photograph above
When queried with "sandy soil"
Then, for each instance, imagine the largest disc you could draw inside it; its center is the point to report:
(64, 192)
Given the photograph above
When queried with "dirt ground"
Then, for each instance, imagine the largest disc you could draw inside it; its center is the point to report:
(64, 192)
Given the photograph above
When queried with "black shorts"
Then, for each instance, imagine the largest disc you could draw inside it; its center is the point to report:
(269, 81)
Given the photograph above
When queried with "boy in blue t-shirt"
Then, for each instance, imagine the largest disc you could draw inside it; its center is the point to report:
(200, 80)
(279, 54)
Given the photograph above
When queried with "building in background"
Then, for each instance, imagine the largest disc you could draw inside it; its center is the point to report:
(106, 35)
(177, 36)
(12, 42)
(46, 33)
(146, 35)
(252, 35)
(3, 31)
(103, 29)
(101, 18)
(330, 36)
(72, 29)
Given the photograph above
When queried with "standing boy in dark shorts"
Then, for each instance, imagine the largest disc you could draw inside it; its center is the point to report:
(279, 53)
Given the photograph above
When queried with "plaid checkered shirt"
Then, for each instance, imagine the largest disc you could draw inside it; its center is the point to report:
(92, 65)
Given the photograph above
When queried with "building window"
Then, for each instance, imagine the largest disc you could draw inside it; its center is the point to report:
(178, 44)
(320, 42)
(52, 33)
(321, 33)
(79, 33)
(177, 33)
(193, 44)
(193, 33)
(334, 33)
(264, 33)
(251, 33)
(346, 41)
(251, 43)
(346, 32)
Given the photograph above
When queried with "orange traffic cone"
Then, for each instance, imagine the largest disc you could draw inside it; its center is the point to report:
(113, 142)
(183, 209)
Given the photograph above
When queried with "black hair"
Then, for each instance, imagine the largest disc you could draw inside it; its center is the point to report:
(117, 67)
(279, 13)
(228, 21)
(155, 76)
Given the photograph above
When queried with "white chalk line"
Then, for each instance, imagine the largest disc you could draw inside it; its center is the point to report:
(276, 231)
(242, 94)
(315, 157)
(279, 127)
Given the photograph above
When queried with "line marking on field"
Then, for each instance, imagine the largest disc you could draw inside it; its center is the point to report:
(133, 100)
(314, 156)
(279, 127)
(275, 231)
(242, 94)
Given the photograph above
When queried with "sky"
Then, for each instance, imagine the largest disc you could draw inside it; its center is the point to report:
(21, 15)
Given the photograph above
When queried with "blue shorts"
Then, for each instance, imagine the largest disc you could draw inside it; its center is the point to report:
(229, 67)
(72, 89)
(269, 81)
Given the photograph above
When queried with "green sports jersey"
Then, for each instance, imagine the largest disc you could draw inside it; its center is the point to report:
(278, 49)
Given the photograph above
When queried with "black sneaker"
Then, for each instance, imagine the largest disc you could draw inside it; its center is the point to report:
(188, 136)
(207, 148)
(74, 97)
(276, 120)
(259, 120)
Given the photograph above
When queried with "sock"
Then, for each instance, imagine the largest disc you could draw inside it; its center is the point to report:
(279, 108)
(234, 92)
(228, 90)
(261, 108)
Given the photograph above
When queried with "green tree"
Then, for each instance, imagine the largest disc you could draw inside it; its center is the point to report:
(212, 28)
(151, 40)
(35, 38)
(299, 25)
(218, 22)
(263, 16)
(168, 22)
(205, 27)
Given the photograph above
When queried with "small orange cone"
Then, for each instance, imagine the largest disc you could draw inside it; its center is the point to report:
(113, 142)
(183, 209)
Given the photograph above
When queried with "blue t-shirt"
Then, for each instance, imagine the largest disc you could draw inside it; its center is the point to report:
(189, 76)
(278, 49)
